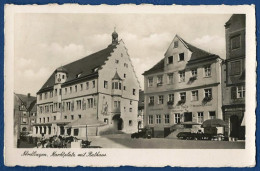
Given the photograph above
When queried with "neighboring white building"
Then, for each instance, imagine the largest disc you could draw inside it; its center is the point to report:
(95, 95)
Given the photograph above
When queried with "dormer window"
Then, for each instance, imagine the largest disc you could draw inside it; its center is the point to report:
(170, 59)
(181, 57)
(78, 75)
(95, 69)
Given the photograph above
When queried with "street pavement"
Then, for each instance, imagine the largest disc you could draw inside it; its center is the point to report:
(125, 141)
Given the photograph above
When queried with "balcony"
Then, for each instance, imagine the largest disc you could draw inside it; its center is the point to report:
(206, 99)
(192, 79)
(182, 101)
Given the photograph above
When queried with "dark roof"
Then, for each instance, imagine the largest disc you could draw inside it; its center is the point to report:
(197, 55)
(29, 102)
(156, 68)
(81, 68)
(116, 77)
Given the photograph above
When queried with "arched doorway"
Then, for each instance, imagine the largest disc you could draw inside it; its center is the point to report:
(118, 122)
(234, 126)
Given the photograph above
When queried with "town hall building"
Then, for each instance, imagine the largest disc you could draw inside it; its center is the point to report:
(185, 86)
(95, 95)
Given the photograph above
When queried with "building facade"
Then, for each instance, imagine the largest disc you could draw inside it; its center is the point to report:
(24, 115)
(95, 95)
(234, 76)
(185, 86)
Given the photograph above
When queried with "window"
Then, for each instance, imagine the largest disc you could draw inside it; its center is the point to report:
(241, 91)
(51, 94)
(131, 102)
(130, 109)
(48, 119)
(200, 117)
(207, 71)
(81, 87)
(56, 91)
(76, 132)
(167, 118)
(208, 93)
(51, 108)
(68, 105)
(116, 61)
(54, 118)
(235, 68)
(150, 81)
(170, 78)
(66, 90)
(78, 104)
(105, 84)
(159, 80)
(126, 65)
(150, 119)
(70, 89)
(212, 115)
(151, 100)
(124, 75)
(130, 123)
(235, 42)
(46, 95)
(194, 72)
(124, 88)
(106, 120)
(181, 57)
(60, 91)
(183, 96)
(194, 95)
(175, 44)
(65, 117)
(90, 103)
(177, 118)
(170, 59)
(171, 98)
(43, 120)
(158, 119)
(120, 86)
(116, 104)
(133, 91)
(72, 117)
(160, 99)
(182, 76)
(79, 116)
(63, 76)
(40, 120)
(87, 85)
(40, 96)
(94, 83)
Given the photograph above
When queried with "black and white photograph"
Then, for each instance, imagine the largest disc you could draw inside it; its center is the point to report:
(130, 80)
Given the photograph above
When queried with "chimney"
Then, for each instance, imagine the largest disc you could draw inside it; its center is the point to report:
(28, 95)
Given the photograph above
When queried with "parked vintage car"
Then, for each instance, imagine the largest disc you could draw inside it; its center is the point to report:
(142, 133)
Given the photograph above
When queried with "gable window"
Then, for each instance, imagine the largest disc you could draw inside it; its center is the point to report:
(181, 57)
(160, 99)
(150, 81)
(182, 76)
(150, 119)
(116, 61)
(124, 87)
(194, 95)
(131, 102)
(51, 94)
(200, 117)
(170, 59)
(124, 75)
(166, 118)
(126, 65)
(159, 80)
(130, 109)
(177, 118)
(105, 84)
(54, 118)
(207, 71)
(158, 119)
(235, 42)
(130, 123)
(170, 78)
(235, 68)
(241, 91)
(40, 96)
(46, 95)
(175, 44)
(133, 91)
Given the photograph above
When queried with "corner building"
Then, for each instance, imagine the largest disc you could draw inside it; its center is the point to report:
(95, 95)
(185, 86)
(234, 76)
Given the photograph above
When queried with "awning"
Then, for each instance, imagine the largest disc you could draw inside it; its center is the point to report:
(213, 123)
(85, 122)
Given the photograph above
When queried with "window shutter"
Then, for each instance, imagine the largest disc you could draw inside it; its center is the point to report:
(233, 93)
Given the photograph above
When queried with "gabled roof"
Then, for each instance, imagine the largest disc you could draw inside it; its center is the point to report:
(29, 102)
(81, 68)
(197, 55)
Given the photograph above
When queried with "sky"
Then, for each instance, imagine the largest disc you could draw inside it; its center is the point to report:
(44, 42)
